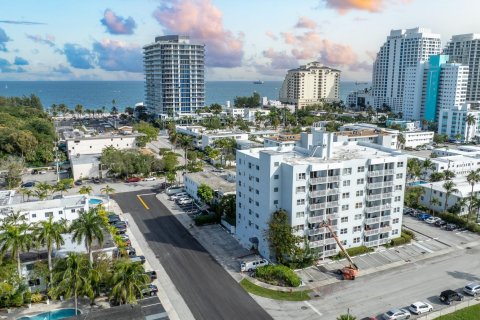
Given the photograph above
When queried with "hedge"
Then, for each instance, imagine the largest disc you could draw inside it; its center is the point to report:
(452, 218)
(409, 232)
(355, 251)
(207, 219)
(403, 239)
(278, 275)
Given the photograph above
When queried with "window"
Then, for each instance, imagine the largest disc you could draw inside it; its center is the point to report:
(345, 207)
(358, 217)
(73, 210)
(343, 231)
(360, 181)
(256, 227)
(275, 201)
(301, 176)
(34, 215)
(397, 199)
(399, 187)
(275, 177)
(347, 171)
(358, 205)
(344, 242)
(275, 189)
(276, 164)
(249, 211)
(399, 175)
(48, 214)
(361, 169)
(300, 227)
(257, 167)
(356, 240)
(239, 194)
(396, 220)
(256, 179)
(300, 189)
(257, 204)
(344, 219)
(345, 195)
(239, 204)
(250, 200)
(396, 209)
(400, 165)
(395, 231)
(300, 202)
(300, 214)
(357, 228)
(239, 183)
(256, 191)
(359, 193)
(346, 183)
(60, 212)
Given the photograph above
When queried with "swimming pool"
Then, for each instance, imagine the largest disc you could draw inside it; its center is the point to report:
(95, 201)
(417, 183)
(52, 315)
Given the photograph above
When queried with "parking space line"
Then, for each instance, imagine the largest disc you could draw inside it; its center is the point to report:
(143, 202)
(422, 247)
(313, 308)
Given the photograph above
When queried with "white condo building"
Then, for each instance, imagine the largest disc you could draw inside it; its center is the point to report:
(310, 84)
(174, 75)
(453, 122)
(465, 49)
(403, 49)
(358, 186)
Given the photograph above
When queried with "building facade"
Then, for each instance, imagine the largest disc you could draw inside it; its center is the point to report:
(453, 122)
(464, 49)
(403, 49)
(174, 76)
(356, 186)
(310, 84)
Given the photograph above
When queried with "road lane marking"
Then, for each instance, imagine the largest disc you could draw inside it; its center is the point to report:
(422, 247)
(143, 202)
(313, 308)
(147, 194)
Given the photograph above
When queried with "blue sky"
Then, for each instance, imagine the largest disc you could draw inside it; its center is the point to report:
(245, 40)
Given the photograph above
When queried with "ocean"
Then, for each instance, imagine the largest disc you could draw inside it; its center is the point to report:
(95, 94)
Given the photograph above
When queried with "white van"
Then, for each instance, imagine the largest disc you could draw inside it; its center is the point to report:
(173, 190)
(252, 264)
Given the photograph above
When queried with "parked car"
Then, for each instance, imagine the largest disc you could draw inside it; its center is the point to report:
(440, 223)
(432, 220)
(414, 213)
(140, 259)
(151, 274)
(183, 201)
(174, 190)
(253, 264)
(472, 289)
(423, 216)
(178, 196)
(420, 307)
(29, 184)
(78, 182)
(126, 239)
(451, 227)
(120, 225)
(113, 218)
(39, 171)
(150, 179)
(150, 290)
(133, 179)
(96, 180)
(448, 296)
(395, 314)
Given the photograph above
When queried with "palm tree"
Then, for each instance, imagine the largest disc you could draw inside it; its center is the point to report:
(88, 227)
(470, 121)
(72, 277)
(401, 140)
(186, 143)
(449, 187)
(472, 178)
(15, 218)
(433, 203)
(449, 174)
(15, 238)
(427, 165)
(128, 281)
(458, 136)
(42, 190)
(346, 317)
(48, 233)
(60, 187)
(85, 190)
(172, 137)
(108, 191)
(79, 109)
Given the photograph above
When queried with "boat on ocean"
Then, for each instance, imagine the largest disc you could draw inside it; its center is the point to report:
(258, 82)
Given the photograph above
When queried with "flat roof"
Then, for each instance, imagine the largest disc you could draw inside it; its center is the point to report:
(106, 136)
(93, 158)
(216, 180)
(461, 183)
(65, 202)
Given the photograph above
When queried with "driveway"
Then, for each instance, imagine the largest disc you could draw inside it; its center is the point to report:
(208, 290)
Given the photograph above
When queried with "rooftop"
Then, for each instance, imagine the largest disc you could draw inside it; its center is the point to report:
(85, 159)
(461, 183)
(103, 136)
(216, 180)
(65, 202)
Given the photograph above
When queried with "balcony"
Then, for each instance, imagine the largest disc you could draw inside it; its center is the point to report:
(383, 241)
(375, 185)
(316, 219)
(387, 195)
(329, 253)
(330, 241)
(324, 179)
(316, 206)
(388, 183)
(372, 220)
(373, 232)
(319, 193)
(316, 244)
(385, 229)
(371, 243)
(332, 216)
(372, 197)
(373, 209)
(314, 232)
(378, 173)
(332, 204)
(385, 218)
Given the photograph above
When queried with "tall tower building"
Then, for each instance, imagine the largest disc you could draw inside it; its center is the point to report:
(310, 84)
(174, 76)
(465, 49)
(403, 49)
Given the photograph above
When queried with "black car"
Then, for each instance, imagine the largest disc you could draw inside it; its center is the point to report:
(150, 290)
(78, 182)
(152, 275)
(448, 296)
(113, 219)
(440, 223)
(121, 225)
(28, 184)
(136, 259)
(451, 227)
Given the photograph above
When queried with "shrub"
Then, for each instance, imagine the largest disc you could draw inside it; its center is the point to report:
(278, 275)
(37, 297)
(403, 239)
(409, 233)
(208, 219)
(27, 297)
(355, 251)
(452, 218)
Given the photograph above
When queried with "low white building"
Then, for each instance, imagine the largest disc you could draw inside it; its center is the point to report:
(453, 122)
(282, 140)
(249, 114)
(357, 186)
(222, 183)
(435, 190)
(404, 124)
(209, 138)
(415, 139)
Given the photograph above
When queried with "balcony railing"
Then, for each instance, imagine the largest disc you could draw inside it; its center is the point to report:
(330, 241)
(329, 253)
(313, 232)
(372, 197)
(375, 185)
(316, 206)
(324, 179)
(316, 219)
(319, 193)
(332, 192)
(332, 204)
(316, 244)
(383, 241)
(385, 229)
(373, 209)
(387, 195)
(378, 173)
(332, 216)
(371, 232)
(371, 243)
(385, 218)
(372, 220)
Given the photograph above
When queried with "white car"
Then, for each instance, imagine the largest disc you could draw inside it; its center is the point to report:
(395, 314)
(184, 201)
(150, 179)
(178, 196)
(432, 220)
(420, 307)
(472, 289)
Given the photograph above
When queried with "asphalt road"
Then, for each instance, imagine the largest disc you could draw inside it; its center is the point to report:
(206, 287)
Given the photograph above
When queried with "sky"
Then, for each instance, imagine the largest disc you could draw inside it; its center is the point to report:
(244, 40)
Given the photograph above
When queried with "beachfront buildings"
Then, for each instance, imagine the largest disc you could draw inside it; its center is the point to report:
(464, 49)
(310, 84)
(453, 122)
(357, 186)
(174, 76)
(402, 50)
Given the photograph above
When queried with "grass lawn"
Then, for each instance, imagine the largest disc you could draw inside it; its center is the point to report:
(468, 313)
(274, 294)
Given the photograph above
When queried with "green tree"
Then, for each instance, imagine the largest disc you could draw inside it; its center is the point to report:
(414, 168)
(14, 167)
(186, 143)
(434, 201)
(472, 178)
(85, 190)
(427, 165)
(458, 136)
(107, 190)
(228, 206)
(150, 132)
(15, 238)
(449, 187)
(280, 236)
(50, 233)
(205, 193)
(470, 120)
(71, 277)
(128, 281)
(88, 227)
(449, 174)
(437, 176)
(401, 140)
(170, 161)
(171, 177)
(412, 196)
(346, 317)
(79, 109)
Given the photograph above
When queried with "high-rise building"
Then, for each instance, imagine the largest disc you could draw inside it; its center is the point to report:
(403, 49)
(174, 76)
(433, 86)
(465, 49)
(310, 84)
(357, 186)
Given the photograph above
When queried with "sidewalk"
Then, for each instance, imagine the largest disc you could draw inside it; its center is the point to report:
(170, 298)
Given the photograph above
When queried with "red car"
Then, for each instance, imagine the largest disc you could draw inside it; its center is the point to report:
(133, 179)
